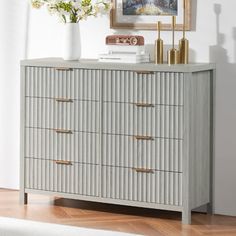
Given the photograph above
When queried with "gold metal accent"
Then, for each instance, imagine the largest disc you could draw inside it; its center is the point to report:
(64, 100)
(159, 46)
(63, 69)
(63, 131)
(139, 137)
(184, 17)
(184, 43)
(143, 72)
(140, 104)
(173, 54)
(184, 51)
(143, 170)
(63, 162)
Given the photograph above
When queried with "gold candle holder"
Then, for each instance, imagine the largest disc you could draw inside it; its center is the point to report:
(173, 56)
(159, 46)
(184, 43)
(173, 53)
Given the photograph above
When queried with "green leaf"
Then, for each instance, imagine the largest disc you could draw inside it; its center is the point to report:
(64, 18)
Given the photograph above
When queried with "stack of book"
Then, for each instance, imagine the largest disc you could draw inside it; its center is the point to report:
(124, 58)
(119, 52)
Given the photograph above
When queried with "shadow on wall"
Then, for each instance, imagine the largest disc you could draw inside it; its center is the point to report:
(218, 54)
(226, 70)
(225, 116)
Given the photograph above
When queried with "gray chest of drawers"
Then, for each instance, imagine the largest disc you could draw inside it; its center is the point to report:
(138, 135)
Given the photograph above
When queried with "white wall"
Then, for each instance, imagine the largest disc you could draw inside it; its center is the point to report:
(208, 43)
(13, 17)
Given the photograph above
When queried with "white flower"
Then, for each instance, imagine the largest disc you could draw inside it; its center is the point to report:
(52, 9)
(96, 10)
(76, 5)
(103, 7)
(54, 2)
(85, 8)
(37, 4)
(99, 8)
(62, 18)
(73, 10)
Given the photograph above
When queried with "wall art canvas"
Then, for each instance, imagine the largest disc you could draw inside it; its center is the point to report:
(144, 14)
(150, 7)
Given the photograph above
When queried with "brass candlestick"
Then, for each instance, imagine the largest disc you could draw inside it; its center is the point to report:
(184, 43)
(159, 46)
(173, 53)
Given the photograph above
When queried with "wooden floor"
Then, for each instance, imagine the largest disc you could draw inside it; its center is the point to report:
(111, 217)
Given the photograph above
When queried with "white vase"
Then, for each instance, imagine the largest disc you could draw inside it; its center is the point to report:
(71, 42)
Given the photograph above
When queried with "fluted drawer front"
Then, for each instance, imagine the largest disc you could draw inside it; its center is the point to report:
(62, 82)
(53, 114)
(157, 87)
(66, 178)
(128, 151)
(62, 145)
(142, 185)
(155, 121)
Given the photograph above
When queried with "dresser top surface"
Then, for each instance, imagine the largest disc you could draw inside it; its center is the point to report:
(94, 64)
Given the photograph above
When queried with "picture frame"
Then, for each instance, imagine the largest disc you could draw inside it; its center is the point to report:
(123, 16)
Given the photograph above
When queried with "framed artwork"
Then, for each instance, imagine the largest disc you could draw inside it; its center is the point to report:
(144, 14)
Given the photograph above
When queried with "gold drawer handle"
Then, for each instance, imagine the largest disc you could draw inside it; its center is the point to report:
(63, 69)
(144, 72)
(142, 104)
(64, 100)
(63, 131)
(143, 170)
(63, 162)
(138, 137)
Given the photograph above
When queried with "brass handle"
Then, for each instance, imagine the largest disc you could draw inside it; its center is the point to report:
(63, 131)
(64, 100)
(63, 162)
(144, 72)
(138, 137)
(140, 104)
(143, 170)
(63, 69)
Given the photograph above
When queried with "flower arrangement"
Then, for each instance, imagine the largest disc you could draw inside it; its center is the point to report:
(73, 11)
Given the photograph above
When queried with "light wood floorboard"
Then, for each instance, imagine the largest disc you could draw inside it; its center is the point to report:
(112, 217)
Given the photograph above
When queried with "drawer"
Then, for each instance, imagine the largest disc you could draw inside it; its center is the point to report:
(55, 114)
(143, 119)
(72, 178)
(142, 185)
(62, 145)
(128, 151)
(156, 88)
(67, 83)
